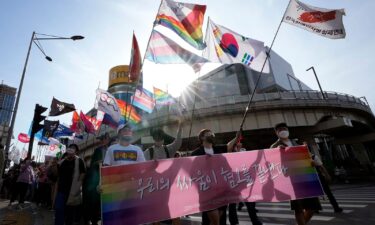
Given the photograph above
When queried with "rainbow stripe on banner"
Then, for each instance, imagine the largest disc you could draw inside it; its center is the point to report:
(184, 19)
(162, 189)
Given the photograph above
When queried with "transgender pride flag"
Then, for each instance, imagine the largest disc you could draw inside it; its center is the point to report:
(144, 100)
(163, 50)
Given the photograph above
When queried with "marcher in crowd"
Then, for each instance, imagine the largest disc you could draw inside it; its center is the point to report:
(91, 196)
(235, 145)
(325, 179)
(124, 152)
(305, 208)
(25, 178)
(206, 138)
(161, 151)
(52, 175)
(68, 201)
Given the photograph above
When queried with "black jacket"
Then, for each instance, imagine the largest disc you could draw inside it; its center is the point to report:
(200, 151)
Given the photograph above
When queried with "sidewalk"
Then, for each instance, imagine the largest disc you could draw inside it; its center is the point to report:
(29, 215)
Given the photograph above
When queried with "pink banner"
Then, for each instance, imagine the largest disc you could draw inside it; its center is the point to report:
(163, 189)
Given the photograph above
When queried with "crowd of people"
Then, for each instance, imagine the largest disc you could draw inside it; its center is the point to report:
(72, 190)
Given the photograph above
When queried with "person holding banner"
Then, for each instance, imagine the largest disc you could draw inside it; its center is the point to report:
(161, 151)
(123, 153)
(206, 138)
(305, 208)
(235, 145)
(91, 197)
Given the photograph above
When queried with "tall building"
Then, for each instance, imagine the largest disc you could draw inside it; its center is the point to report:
(7, 98)
(119, 84)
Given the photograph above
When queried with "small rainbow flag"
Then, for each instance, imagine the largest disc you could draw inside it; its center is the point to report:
(162, 97)
(125, 109)
(184, 19)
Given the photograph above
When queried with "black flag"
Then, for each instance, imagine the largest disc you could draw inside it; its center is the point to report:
(59, 108)
(50, 127)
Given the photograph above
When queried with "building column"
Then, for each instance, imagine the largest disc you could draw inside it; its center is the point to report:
(360, 153)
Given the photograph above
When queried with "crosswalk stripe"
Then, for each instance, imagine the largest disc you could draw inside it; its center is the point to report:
(288, 209)
(243, 222)
(323, 204)
(350, 198)
(291, 216)
(352, 201)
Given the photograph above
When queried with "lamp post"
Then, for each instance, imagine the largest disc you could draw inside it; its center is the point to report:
(317, 80)
(35, 37)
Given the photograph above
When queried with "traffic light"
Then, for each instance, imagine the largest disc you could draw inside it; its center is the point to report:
(38, 118)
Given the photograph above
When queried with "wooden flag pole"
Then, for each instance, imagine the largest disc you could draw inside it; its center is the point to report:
(260, 75)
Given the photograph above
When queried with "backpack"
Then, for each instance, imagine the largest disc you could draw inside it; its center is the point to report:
(152, 152)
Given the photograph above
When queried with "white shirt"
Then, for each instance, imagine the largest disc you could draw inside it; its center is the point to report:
(123, 155)
(209, 151)
(317, 161)
(288, 143)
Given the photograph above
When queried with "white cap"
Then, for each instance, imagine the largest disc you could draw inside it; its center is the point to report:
(121, 126)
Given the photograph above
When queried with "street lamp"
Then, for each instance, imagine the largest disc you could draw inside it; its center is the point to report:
(35, 38)
(317, 80)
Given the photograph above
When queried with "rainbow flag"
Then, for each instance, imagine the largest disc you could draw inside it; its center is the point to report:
(184, 19)
(125, 109)
(144, 100)
(162, 97)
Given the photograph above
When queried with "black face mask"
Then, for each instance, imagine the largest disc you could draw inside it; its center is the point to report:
(209, 139)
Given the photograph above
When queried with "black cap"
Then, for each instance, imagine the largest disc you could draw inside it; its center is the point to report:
(157, 134)
(103, 136)
(279, 125)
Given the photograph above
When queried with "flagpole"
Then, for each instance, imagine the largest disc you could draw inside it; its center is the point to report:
(127, 88)
(195, 94)
(143, 60)
(260, 75)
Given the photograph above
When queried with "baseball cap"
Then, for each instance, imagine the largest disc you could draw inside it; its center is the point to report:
(279, 125)
(122, 126)
(158, 134)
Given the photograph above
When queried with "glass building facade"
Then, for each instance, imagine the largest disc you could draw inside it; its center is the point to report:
(7, 99)
(238, 79)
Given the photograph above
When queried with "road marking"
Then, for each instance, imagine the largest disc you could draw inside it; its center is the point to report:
(327, 205)
(288, 209)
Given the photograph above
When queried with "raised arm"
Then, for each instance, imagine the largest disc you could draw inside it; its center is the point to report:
(176, 144)
(232, 142)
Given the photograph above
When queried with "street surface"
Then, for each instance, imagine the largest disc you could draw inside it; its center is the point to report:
(357, 200)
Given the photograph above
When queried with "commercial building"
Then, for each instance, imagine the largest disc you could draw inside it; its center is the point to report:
(339, 127)
(7, 98)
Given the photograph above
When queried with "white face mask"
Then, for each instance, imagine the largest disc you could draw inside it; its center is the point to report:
(284, 134)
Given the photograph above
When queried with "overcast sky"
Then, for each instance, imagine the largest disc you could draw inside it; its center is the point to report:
(79, 67)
